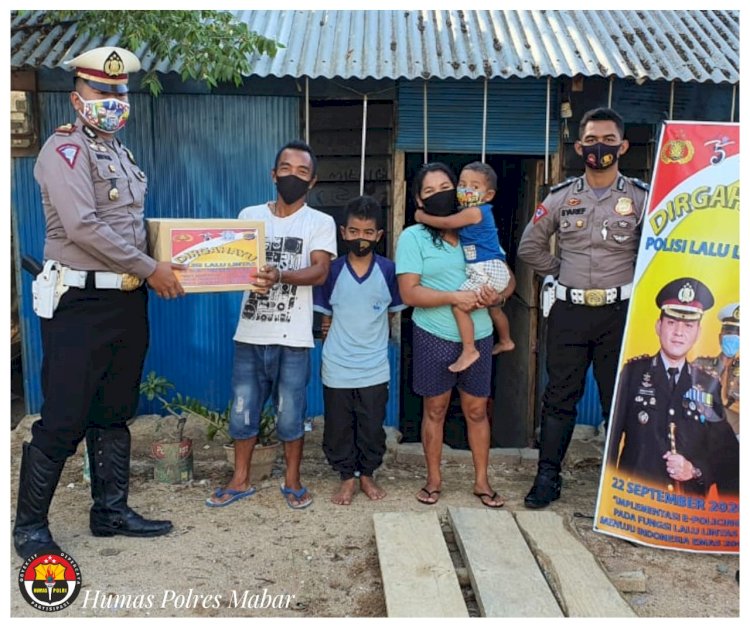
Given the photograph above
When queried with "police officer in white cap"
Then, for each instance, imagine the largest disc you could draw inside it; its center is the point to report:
(91, 299)
(669, 428)
(726, 366)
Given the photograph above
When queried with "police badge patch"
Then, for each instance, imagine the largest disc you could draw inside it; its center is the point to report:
(624, 206)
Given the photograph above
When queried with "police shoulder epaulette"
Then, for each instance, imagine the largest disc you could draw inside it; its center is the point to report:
(65, 129)
(707, 358)
(637, 358)
(640, 184)
(564, 184)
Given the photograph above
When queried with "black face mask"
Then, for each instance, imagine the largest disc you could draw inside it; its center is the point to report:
(359, 246)
(291, 188)
(441, 204)
(600, 156)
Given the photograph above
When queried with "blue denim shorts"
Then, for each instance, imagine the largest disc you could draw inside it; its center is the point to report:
(261, 372)
(431, 358)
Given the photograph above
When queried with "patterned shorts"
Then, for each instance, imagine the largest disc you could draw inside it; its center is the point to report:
(431, 358)
(493, 272)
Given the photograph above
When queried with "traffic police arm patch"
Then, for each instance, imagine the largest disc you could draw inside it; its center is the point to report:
(69, 152)
(539, 213)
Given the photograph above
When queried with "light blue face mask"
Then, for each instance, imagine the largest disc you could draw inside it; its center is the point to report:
(730, 345)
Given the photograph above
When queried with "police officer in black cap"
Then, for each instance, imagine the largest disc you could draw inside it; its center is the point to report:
(669, 428)
(91, 298)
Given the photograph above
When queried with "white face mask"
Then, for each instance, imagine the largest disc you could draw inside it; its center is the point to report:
(108, 114)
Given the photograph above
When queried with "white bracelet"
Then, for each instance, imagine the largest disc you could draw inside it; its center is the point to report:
(279, 279)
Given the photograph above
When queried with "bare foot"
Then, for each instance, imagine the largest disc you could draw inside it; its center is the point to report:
(343, 497)
(502, 346)
(465, 360)
(370, 488)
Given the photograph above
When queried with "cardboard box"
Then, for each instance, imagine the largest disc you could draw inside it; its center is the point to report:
(221, 254)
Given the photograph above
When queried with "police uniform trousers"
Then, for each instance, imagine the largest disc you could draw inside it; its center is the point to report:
(577, 335)
(94, 348)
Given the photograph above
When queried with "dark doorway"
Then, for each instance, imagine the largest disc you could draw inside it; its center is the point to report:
(511, 212)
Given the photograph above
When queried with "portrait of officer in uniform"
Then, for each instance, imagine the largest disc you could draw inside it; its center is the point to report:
(91, 300)
(596, 219)
(726, 366)
(669, 428)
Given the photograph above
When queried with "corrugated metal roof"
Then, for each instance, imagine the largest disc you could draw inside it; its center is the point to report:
(686, 46)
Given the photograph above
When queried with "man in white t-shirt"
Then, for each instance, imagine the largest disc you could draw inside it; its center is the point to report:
(274, 333)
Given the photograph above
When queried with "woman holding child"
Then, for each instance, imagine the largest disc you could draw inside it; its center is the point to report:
(430, 267)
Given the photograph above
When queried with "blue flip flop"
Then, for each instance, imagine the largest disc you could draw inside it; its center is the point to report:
(286, 492)
(234, 496)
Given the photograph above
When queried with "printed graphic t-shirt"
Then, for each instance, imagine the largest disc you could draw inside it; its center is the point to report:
(284, 316)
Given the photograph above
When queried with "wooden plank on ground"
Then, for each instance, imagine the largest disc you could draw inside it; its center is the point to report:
(581, 586)
(504, 575)
(418, 575)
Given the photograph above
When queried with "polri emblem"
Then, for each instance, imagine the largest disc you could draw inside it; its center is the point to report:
(686, 293)
(677, 152)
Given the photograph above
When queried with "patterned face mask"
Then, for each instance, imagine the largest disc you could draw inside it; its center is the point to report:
(468, 197)
(600, 156)
(108, 115)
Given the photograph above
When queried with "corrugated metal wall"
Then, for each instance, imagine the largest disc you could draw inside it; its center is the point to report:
(206, 156)
(649, 103)
(516, 116)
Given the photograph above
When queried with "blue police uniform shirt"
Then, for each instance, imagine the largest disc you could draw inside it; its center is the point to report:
(479, 241)
(355, 352)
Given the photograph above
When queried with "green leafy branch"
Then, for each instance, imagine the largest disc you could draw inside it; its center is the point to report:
(208, 46)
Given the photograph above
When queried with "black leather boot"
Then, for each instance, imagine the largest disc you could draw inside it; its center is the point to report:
(554, 441)
(109, 458)
(546, 489)
(37, 484)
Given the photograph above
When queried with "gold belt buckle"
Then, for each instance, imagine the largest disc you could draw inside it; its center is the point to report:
(130, 282)
(595, 297)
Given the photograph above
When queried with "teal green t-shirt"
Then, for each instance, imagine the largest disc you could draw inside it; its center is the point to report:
(440, 268)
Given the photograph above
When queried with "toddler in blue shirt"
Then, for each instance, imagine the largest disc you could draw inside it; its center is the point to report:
(485, 258)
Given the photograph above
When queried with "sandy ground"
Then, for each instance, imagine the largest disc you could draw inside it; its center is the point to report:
(322, 561)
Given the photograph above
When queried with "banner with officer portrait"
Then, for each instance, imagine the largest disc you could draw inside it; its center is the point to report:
(670, 475)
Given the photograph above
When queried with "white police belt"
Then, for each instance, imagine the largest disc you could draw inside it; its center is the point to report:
(102, 279)
(594, 297)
